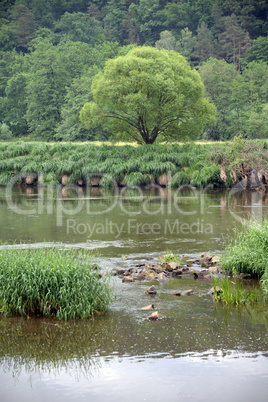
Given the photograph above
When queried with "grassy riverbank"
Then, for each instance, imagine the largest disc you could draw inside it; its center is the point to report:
(247, 253)
(219, 164)
(51, 282)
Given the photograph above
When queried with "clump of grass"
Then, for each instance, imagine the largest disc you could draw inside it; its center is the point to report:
(51, 282)
(179, 179)
(170, 257)
(248, 250)
(229, 292)
(136, 179)
(207, 175)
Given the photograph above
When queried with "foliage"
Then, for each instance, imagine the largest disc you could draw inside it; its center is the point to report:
(258, 51)
(229, 292)
(180, 179)
(207, 175)
(133, 166)
(51, 282)
(240, 98)
(146, 93)
(5, 132)
(248, 251)
(78, 27)
(75, 35)
(170, 257)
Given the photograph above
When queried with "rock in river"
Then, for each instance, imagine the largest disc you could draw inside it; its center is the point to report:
(188, 292)
(154, 316)
(149, 307)
(151, 291)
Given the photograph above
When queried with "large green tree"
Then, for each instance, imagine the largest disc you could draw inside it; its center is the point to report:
(147, 93)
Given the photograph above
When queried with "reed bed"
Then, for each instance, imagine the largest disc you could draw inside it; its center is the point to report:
(190, 163)
(126, 164)
(228, 291)
(52, 282)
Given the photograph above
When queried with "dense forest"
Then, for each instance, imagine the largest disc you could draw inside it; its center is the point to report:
(50, 51)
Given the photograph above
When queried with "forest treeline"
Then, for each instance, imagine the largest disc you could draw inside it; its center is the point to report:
(51, 50)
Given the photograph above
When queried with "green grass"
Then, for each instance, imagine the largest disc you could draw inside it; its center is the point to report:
(228, 291)
(51, 282)
(247, 252)
(190, 163)
(170, 257)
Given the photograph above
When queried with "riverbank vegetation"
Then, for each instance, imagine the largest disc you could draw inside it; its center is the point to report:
(230, 291)
(50, 53)
(51, 282)
(247, 252)
(175, 165)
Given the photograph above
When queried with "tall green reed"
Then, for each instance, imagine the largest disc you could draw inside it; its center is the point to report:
(52, 282)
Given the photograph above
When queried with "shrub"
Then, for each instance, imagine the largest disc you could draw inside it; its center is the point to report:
(5, 132)
(179, 179)
(248, 251)
(51, 282)
(135, 179)
(207, 175)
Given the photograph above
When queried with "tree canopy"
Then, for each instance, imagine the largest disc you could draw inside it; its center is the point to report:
(147, 93)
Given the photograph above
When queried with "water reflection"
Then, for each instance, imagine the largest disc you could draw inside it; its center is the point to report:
(154, 219)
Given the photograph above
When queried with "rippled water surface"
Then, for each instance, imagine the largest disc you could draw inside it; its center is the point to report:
(196, 351)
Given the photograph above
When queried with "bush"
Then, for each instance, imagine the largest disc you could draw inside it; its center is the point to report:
(248, 251)
(5, 133)
(207, 175)
(135, 179)
(51, 282)
(179, 179)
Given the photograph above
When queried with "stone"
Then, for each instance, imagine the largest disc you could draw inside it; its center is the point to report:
(139, 276)
(223, 174)
(64, 179)
(162, 277)
(119, 271)
(176, 273)
(95, 181)
(151, 291)
(172, 265)
(206, 257)
(215, 259)
(29, 180)
(164, 179)
(127, 279)
(218, 290)
(149, 307)
(188, 292)
(213, 270)
(154, 316)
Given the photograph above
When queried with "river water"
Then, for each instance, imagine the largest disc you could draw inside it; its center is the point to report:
(196, 351)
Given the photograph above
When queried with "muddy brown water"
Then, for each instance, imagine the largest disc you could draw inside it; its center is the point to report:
(196, 351)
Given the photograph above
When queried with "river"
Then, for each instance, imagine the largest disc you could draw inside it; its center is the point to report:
(196, 351)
